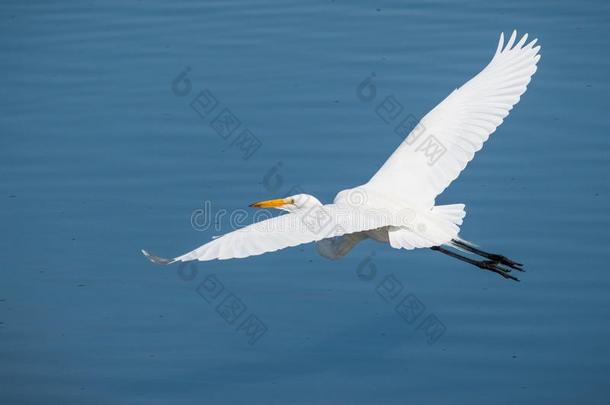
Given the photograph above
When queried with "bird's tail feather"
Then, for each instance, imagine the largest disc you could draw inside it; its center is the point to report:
(453, 213)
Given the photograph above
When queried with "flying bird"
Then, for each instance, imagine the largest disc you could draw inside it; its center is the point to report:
(397, 205)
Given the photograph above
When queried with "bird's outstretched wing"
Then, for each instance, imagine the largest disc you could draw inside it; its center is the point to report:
(287, 230)
(446, 139)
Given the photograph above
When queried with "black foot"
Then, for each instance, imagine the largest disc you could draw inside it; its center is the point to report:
(491, 256)
(505, 261)
(492, 265)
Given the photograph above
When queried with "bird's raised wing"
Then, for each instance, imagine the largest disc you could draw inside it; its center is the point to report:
(296, 228)
(446, 139)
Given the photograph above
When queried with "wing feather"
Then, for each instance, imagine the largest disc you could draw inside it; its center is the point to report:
(437, 150)
(285, 231)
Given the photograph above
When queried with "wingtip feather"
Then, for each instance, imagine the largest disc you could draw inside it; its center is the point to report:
(156, 259)
(511, 40)
(500, 43)
(522, 41)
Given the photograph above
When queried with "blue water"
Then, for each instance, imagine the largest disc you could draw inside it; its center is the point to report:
(101, 155)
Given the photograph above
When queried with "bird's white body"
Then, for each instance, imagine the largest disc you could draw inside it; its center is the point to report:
(409, 225)
(397, 205)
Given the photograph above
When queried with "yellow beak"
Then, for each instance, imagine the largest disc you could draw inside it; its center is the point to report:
(278, 202)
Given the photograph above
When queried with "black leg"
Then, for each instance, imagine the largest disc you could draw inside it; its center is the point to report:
(482, 264)
(491, 256)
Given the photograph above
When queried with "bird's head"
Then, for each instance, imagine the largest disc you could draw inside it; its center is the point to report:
(290, 204)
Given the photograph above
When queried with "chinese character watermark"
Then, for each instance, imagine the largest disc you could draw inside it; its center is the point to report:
(406, 305)
(408, 128)
(222, 120)
(226, 303)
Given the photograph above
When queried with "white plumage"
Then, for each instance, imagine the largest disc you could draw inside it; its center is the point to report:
(461, 123)
(397, 206)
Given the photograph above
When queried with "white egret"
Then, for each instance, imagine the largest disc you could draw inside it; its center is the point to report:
(396, 205)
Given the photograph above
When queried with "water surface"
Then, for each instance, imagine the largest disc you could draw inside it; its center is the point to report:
(100, 156)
